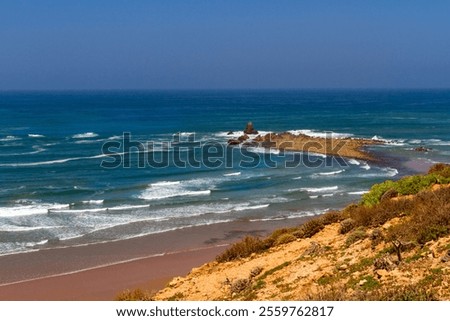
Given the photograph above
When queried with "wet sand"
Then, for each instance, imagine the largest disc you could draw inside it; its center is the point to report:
(100, 271)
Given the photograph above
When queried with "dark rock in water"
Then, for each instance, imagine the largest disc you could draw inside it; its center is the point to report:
(250, 144)
(250, 130)
(268, 137)
(230, 133)
(258, 138)
(234, 142)
(422, 149)
(243, 138)
(268, 144)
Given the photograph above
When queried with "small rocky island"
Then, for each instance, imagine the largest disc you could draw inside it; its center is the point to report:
(332, 146)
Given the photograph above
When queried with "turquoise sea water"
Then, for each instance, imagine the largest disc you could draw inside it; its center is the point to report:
(54, 191)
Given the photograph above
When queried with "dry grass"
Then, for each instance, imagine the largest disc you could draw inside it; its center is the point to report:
(243, 249)
(134, 295)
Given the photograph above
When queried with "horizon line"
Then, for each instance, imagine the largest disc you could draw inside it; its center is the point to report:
(230, 89)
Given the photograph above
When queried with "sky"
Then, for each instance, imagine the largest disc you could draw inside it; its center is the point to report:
(212, 44)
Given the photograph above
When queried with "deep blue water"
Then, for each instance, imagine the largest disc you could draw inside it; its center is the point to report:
(53, 189)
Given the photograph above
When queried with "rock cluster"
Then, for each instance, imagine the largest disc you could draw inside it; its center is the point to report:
(422, 149)
(250, 130)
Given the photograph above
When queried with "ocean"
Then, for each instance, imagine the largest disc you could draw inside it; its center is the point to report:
(79, 168)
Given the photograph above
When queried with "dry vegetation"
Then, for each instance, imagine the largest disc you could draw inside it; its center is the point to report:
(393, 247)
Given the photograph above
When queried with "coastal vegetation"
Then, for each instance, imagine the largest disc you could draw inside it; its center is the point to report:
(393, 245)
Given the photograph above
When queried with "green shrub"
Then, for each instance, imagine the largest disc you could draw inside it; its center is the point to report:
(285, 238)
(272, 239)
(331, 217)
(355, 236)
(429, 218)
(432, 233)
(347, 225)
(410, 185)
(243, 249)
(440, 169)
(309, 228)
(376, 192)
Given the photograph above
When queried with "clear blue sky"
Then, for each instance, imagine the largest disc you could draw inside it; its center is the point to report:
(170, 44)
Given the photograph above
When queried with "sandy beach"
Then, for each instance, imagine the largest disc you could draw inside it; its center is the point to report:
(100, 271)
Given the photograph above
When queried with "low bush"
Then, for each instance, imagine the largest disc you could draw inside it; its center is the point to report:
(438, 174)
(331, 217)
(310, 228)
(285, 238)
(243, 249)
(358, 234)
(428, 220)
(347, 225)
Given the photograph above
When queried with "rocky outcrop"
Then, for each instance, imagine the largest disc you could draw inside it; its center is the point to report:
(250, 130)
(233, 142)
(422, 149)
(286, 141)
(243, 138)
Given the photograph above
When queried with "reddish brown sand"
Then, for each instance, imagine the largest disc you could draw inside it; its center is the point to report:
(52, 274)
(104, 283)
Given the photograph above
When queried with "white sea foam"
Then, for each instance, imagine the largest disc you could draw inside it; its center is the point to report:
(292, 215)
(239, 133)
(93, 202)
(319, 189)
(17, 228)
(115, 137)
(165, 183)
(35, 136)
(358, 193)
(9, 138)
(438, 142)
(250, 207)
(317, 154)
(90, 141)
(85, 135)
(93, 210)
(37, 150)
(127, 207)
(390, 172)
(298, 177)
(391, 142)
(365, 166)
(319, 134)
(232, 174)
(169, 189)
(32, 209)
(327, 195)
(330, 173)
(50, 162)
(263, 150)
(353, 161)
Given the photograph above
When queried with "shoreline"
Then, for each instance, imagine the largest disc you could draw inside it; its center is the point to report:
(101, 271)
